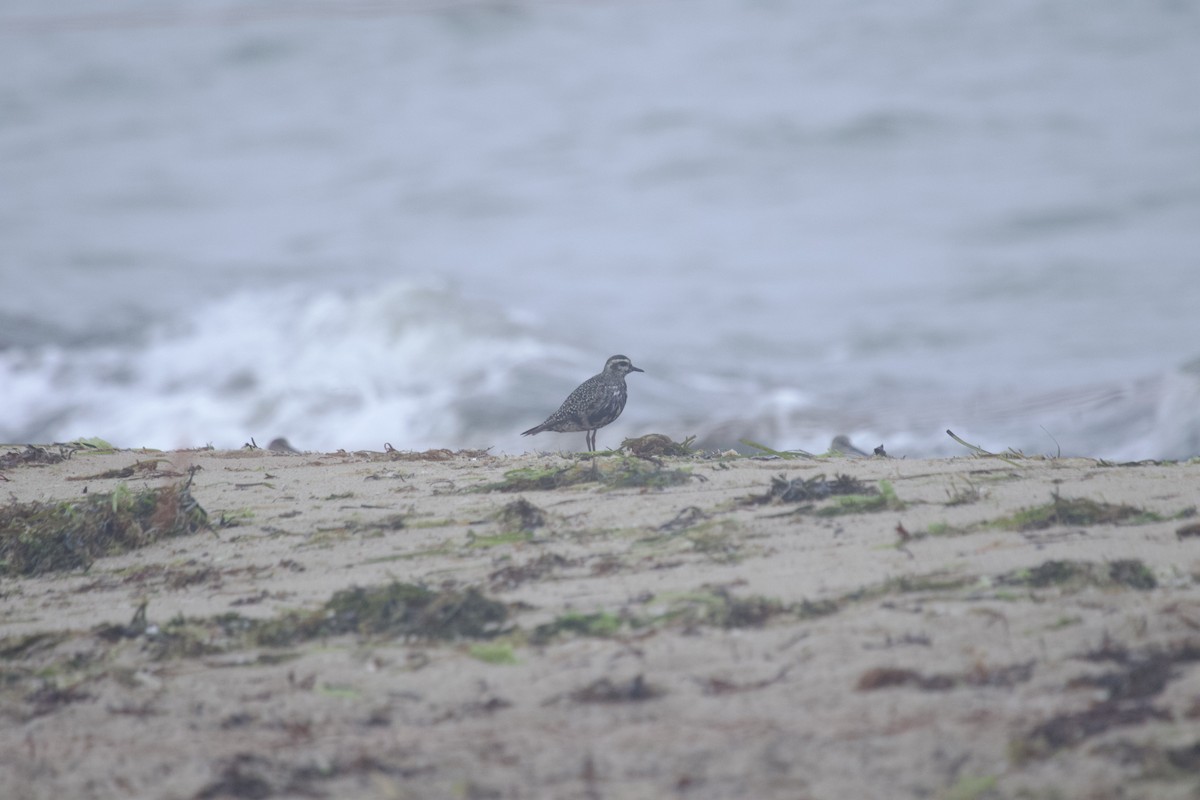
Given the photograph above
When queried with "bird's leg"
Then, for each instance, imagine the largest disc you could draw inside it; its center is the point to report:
(591, 446)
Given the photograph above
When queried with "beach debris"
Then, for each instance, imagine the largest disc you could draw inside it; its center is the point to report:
(1074, 511)
(251, 776)
(786, 455)
(37, 537)
(1140, 674)
(719, 686)
(277, 445)
(1138, 679)
(539, 478)
(49, 697)
(980, 675)
(851, 495)
(601, 624)
(619, 473)
(964, 496)
(493, 653)
(24, 645)
(139, 469)
(1156, 760)
(93, 443)
(605, 690)
(499, 539)
(32, 455)
(1189, 531)
(437, 454)
(686, 518)
(976, 450)
(136, 627)
(842, 446)
(818, 487)
(1130, 573)
(513, 575)
(521, 515)
(395, 609)
(654, 445)
(245, 775)
(717, 606)
(633, 473)
(1067, 730)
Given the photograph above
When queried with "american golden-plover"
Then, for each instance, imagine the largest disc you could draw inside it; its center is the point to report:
(598, 401)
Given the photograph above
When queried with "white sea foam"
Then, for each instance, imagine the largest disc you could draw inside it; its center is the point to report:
(326, 369)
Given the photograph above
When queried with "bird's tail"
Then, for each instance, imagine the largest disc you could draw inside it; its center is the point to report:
(534, 429)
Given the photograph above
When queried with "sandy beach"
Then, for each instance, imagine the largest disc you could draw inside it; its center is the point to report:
(625, 627)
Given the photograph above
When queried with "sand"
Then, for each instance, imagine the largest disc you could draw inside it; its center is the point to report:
(915, 646)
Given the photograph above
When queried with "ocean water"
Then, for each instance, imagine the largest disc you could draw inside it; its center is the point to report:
(423, 223)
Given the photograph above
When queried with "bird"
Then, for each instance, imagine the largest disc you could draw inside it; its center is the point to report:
(841, 445)
(595, 403)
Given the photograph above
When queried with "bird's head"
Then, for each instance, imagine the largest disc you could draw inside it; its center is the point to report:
(620, 365)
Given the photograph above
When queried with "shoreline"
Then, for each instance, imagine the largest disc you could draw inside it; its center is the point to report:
(659, 627)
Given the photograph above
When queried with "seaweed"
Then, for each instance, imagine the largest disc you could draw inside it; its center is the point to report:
(1067, 730)
(249, 776)
(33, 455)
(979, 676)
(493, 653)
(850, 495)
(243, 776)
(495, 540)
(1141, 675)
(884, 499)
(1073, 511)
(657, 445)
(786, 455)
(964, 496)
(14, 647)
(521, 515)
(970, 787)
(49, 697)
(395, 609)
(528, 479)
(1131, 573)
(720, 686)
(686, 518)
(36, 537)
(92, 443)
(513, 575)
(978, 451)
(718, 607)
(631, 473)
(1145, 677)
(605, 690)
(801, 490)
(143, 469)
(601, 624)
(439, 454)
(620, 473)
(1189, 531)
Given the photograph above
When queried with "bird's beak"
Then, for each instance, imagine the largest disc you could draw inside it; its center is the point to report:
(632, 368)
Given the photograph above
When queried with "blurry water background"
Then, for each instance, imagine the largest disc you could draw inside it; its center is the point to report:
(423, 223)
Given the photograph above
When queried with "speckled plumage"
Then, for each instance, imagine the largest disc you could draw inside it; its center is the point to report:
(598, 401)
